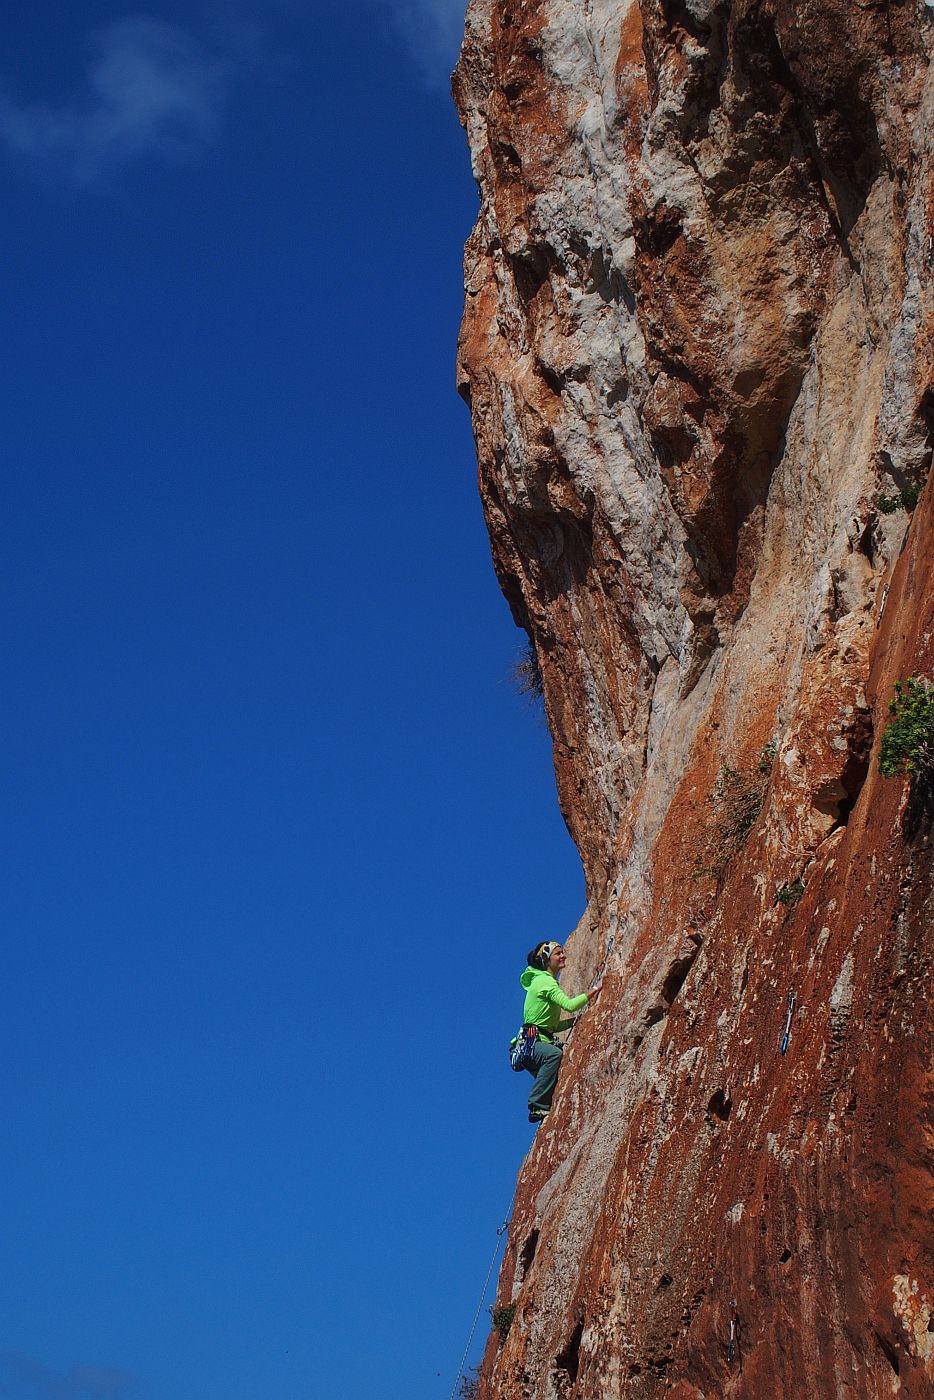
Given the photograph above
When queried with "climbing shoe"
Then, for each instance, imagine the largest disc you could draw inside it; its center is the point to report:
(537, 1114)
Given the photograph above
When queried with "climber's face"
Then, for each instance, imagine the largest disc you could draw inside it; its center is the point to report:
(557, 960)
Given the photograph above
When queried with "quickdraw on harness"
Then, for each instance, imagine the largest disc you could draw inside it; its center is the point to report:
(788, 1019)
(734, 1331)
(520, 1049)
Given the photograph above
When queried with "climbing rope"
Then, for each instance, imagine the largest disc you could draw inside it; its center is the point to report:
(486, 1283)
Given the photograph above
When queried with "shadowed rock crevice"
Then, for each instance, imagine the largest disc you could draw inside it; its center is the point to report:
(527, 1255)
(720, 1105)
(567, 1363)
(889, 1351)
(676, 976)
(836, 796)
(530, 268)
(836, 129)
(919, 811)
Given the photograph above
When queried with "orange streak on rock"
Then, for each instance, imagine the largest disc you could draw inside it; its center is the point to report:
(697, 346)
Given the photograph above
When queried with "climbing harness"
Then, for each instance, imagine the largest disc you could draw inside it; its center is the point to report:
(734, 1330)
(520, 1049)
(786, 1038)
(486, 1283)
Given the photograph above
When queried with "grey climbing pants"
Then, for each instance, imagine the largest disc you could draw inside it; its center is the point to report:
(546, 1061)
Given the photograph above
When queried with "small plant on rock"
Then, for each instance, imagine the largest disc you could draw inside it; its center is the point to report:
(736, 800)
(503, 1318)
(908, 739)
(906, 499)
(527, 674)
(789, 894)
(470, 1385)
(766, 759)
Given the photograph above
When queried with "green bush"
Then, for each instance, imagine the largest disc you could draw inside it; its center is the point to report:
(906, 499)
(502, 1318)
(908, 739)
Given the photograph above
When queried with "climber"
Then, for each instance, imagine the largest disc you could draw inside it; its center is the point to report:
(544, 1002)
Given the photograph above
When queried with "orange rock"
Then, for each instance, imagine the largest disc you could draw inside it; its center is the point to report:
(698, 345)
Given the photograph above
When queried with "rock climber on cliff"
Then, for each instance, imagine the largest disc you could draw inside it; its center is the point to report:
(542, 1020)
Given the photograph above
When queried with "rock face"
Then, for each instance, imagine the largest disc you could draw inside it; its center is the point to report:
(697, 347)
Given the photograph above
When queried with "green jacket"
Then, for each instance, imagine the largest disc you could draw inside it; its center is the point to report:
(544, 1001)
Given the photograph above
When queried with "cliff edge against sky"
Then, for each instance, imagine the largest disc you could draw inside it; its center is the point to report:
(697, 348)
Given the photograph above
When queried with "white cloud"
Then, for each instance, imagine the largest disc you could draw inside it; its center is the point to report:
(432, 32)
(150, 88)
(153, 89)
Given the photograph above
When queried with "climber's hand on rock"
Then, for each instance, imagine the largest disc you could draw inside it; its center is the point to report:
(595, 988)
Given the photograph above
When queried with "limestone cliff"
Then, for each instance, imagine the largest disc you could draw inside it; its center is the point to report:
(697, 347)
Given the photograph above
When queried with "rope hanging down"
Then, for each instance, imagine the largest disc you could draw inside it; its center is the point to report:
(486, 1283)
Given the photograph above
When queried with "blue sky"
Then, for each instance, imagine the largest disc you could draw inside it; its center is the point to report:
(279, 830)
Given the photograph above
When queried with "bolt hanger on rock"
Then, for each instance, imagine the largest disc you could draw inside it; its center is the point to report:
(734, 1333)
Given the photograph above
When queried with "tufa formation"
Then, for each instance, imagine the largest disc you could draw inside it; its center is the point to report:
(697, 346)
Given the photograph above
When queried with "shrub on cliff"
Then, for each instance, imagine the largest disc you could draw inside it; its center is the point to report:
(908, 739)
(503, 1317)
(906, 499)
(527, 674)
(470, 1385)
(736, 801)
